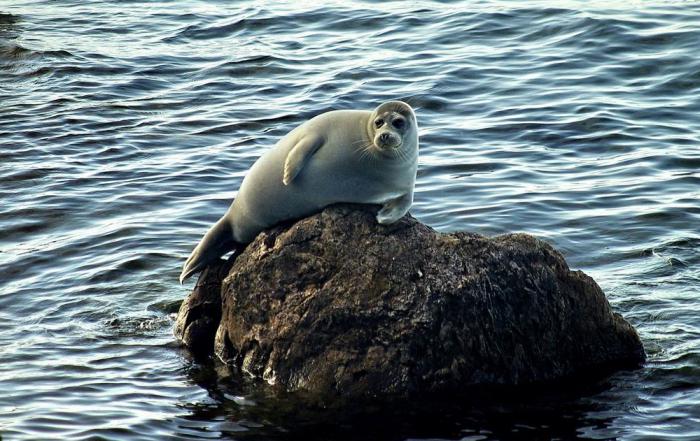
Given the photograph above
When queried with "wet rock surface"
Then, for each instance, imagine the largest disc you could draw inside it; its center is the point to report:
(338, 304)
(200, 313)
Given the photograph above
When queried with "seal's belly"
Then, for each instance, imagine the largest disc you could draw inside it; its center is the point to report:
(329, 183)
(264, 201)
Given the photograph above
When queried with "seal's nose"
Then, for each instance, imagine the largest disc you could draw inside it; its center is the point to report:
(384, 137)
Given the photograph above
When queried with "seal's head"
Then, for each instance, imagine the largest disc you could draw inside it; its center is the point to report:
(392, 129)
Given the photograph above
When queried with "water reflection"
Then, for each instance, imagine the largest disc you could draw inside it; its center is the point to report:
(238, 408)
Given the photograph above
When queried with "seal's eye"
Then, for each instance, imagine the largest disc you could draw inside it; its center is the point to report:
(378, 122)
(399, 123)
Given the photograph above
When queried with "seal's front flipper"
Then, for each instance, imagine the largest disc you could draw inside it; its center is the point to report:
(299, 155)
(217, 242)
(395, 209)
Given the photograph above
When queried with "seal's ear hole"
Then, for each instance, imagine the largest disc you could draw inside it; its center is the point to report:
(399, 123)
(378, 122)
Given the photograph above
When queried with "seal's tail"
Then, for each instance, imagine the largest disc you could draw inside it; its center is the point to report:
(217, 242)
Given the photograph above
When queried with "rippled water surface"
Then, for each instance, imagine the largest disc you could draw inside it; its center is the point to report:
(126, 128)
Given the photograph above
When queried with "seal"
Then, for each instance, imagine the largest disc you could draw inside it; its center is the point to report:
(350, 156)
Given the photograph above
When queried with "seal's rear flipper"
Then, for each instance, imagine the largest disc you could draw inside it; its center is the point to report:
(217, 242)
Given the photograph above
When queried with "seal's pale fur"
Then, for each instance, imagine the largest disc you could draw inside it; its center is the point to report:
(340, 156)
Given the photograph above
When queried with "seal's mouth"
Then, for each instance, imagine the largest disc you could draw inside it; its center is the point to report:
(390, 151)
(385, 147)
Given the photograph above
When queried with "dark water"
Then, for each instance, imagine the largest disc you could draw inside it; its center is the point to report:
(126, 128)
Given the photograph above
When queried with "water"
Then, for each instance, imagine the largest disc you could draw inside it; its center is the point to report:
(126, 128)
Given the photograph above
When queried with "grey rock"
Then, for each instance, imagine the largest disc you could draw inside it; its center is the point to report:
(338, 304)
